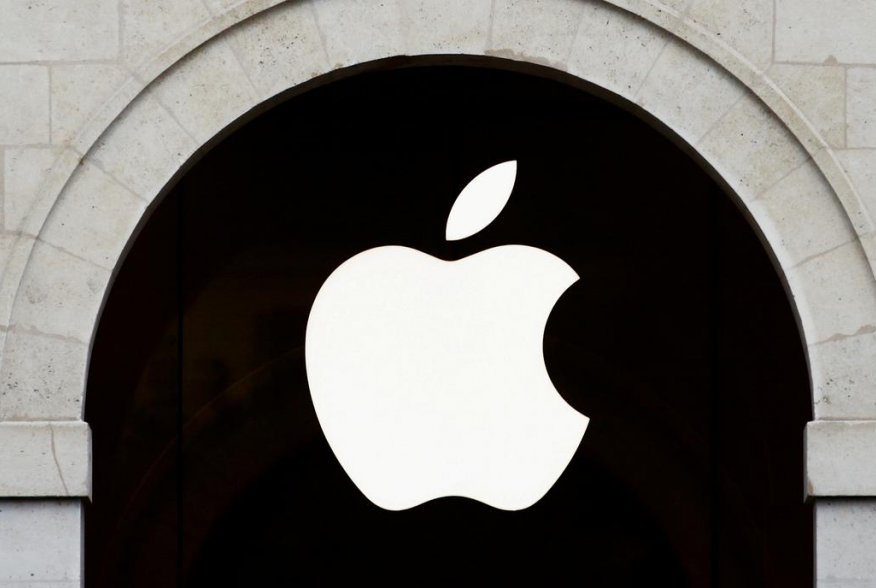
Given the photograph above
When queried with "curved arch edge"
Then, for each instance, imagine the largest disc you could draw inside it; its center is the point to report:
(160, 87)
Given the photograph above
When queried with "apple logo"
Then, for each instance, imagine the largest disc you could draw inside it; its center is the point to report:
(428, 376)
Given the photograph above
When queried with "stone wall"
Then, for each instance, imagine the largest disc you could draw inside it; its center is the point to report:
(102, 102)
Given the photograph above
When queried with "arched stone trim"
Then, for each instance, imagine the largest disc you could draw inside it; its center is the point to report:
(659, 14)
(718, 103)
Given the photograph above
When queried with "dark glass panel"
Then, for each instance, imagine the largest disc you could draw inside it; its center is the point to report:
(678, 342)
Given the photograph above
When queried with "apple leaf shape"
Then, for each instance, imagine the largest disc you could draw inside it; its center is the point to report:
(481, 201)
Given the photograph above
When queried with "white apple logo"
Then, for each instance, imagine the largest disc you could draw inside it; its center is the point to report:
(428, 376)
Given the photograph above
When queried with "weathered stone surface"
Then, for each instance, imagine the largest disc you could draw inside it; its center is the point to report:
(835, 294)
(861, 115)
(45, 459)
(40, 542)
(149, 27)
(24, 104)
(41, 584)
(615, 50)
(801, 216)
(746, 25)
(2, 188)
(816, 31)
(280, 48)
(839, 458)
(845, 541)
(143, 149)
(541, 31)
(35, 191)
(94, 217)
(25, 170)
(446, 26)
(679, 6)
(820, 93)
(7, 244)
(860, 164)
(15, 250)
(27, 584)
(844, 376)
(751, 149)
(356, 31)
(59, 30)
(219, 6)
(78, 90)
(687, 91)
(206, 91)
(60, 294)
(41, 377)
(832, 168)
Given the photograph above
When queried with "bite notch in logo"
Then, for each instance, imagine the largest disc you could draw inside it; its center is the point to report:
(428, 376)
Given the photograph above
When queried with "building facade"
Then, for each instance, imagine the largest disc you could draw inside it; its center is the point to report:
(103, 103)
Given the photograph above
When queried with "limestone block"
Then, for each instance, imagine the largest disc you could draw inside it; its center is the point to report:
(835, 294)
(59, 30)
(801, 216)
(26, 584)
(77, 92)
(614, 49)
(751, 149)
(832, 169)
(845, 541)
(41, 542)
(60, 294)
(860, 165)
(45, 458)
(150, 27)
(687, 91)
(745, 25)
(819, 91)
(841, 458)
(7, 245)
(94, 217)
(861, 114)
(43, 189)
(24, 104)
(15, 253)
(25, 169)
(280, 48)
(143, 149)
(206, 91)
(2, 185)
(868, 243)
(446, 26)
(677, 6)
(42, 377)
(540, 31)
(250, 7)
(356, 31)
(825, 32)
(844, 377)
(219, 6)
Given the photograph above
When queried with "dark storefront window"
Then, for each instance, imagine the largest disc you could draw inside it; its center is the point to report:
(678, 341)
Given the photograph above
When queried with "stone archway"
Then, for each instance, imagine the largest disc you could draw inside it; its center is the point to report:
(711, 98)
(370, 151)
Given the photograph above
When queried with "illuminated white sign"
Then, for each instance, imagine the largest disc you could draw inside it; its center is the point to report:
(428, 376)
